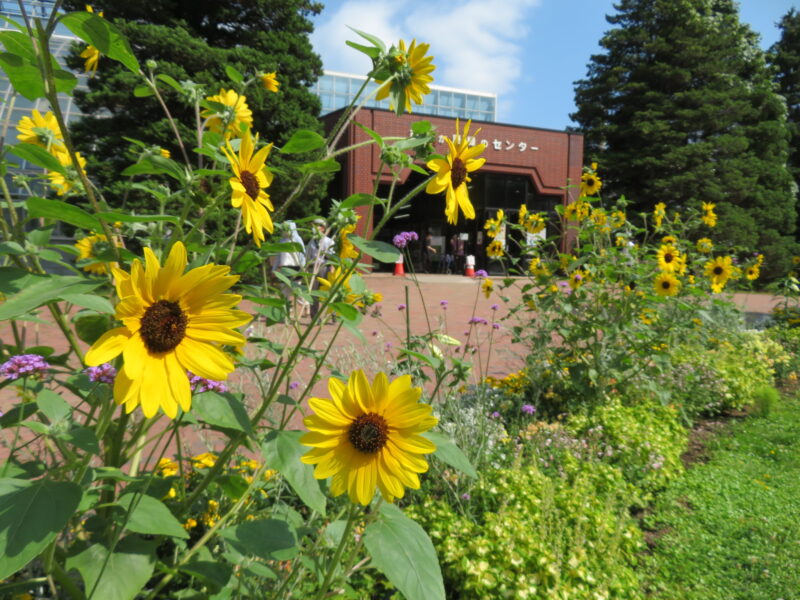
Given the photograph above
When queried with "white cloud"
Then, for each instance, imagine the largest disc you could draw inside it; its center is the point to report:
(477, 44)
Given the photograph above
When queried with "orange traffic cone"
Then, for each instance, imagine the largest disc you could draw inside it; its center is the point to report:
(470, 271)
(398, 267)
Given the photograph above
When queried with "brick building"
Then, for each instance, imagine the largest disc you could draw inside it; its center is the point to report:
(523, 166)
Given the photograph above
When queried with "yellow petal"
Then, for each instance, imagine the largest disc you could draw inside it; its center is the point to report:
(107, 347)
(203, 359)
(328, 411)
(178, 382)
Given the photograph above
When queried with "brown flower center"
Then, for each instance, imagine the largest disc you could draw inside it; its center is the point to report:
(163, 326)
(368, 433)
(718, 270)
(668, 258)
(458, 172)
(666, 285)
(590, 182)
(250, 183)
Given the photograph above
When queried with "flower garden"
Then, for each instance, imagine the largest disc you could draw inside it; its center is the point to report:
(424, 479)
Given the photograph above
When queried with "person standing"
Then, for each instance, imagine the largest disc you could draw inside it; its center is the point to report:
(319, 248)
(427, 252)
(290, 263)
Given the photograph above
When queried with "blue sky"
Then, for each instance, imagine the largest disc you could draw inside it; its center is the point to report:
(528, 52)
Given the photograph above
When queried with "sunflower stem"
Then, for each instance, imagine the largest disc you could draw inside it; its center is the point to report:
(337, 557)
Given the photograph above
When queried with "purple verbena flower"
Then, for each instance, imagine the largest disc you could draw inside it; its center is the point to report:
(495, 415)
(443, 304)
(494, 306)
(481, 273)
(401, 307)
(478, 321)
(294, 385)
(23, 365)
(402, 239)
(201, 384)
(495, 325)
(105, 373)
(528, 409)
(465, 496)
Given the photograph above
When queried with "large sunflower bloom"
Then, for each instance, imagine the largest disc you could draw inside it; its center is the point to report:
(666, 284)
(705, 245)
(496, 249)
(411, 75)
(49, 134)
(668, 258)
(173, 322)
(719, 271)
(61, 183)
(590, 184)
(452, 174)
(248, 183)
(367, 436)
(237, 114)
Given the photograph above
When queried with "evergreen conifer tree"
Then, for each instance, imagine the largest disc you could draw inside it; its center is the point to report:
(680, 108)
(195, 40)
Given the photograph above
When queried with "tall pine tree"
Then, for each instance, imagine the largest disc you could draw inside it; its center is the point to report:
(195, 40)
(784, 56)
(681, 108)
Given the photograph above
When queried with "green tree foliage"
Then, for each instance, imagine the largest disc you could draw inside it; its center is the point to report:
(195, 40)
(784, 56)
(680, 108)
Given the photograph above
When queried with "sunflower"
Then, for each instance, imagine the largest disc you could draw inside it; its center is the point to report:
(618, 219)
(577, 211)
(336, 277)
(669, 240)
(487, 286)
(666, 284)
(236, 113)
(668, 258)
(494, 226)
(452, 174)
(92, 59)
(538, 268)
(250, 177)
(87, 249)
(346, 247)
(590, 184)
(719, 271)
(705, 245)
(659, 212)
(368, 435)
(495, 249)
(62, 184)
(42, 131)
(752, 273)
(173, 322)
(411, 75)
(599, 217)
(577, 278)
(709, 217)
(270, 82)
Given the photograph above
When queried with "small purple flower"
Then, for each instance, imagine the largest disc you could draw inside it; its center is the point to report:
(401, 240)
(481, 273)
(105, 373)
(388, 346)
(23, 365)
(443, 304)
(477, 321)
(294, 385)
(201, 384)
(465, 496)
(401, 307)
(528, 409)
(494, 306)
(495, 415)
(495, 325)
(374, 333)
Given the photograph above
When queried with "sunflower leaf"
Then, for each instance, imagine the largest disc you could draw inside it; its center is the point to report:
(282, 451)
(449, 453)
(380, 251)
(103, 35)
(38, 156)
(269, 539)
(33, 514)
(221, 410)
(303, 140)
(150, 516)
(120, 576)
(68, 213)
(402, 551)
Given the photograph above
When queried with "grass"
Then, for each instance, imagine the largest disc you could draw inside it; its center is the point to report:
(730, 529)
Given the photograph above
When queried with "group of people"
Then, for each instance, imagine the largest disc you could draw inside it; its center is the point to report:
(453, 260)
(311, 257)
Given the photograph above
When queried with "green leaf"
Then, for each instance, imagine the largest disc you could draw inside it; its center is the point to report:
(449, 453)
(380, 251)
(215, 573)
(120, 576)
(270, 539)
(38, 156)
(151, 516)
(90, 327)
(432, 361)
(83, 438)
(358, 200)
(42, 291)
(368, 50)
(53, 406)
(235, 75)
(142, 91)
(303, 140)
(282, 451)
(221, 410)
(170, 82)
(402, 551)
(18, 414)
(347, 311)
(96, 303)
(374, 40)
(330, 165)
(68, 213)
(31, 515)
(104, 36)
(12, 248)
(21, 66)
